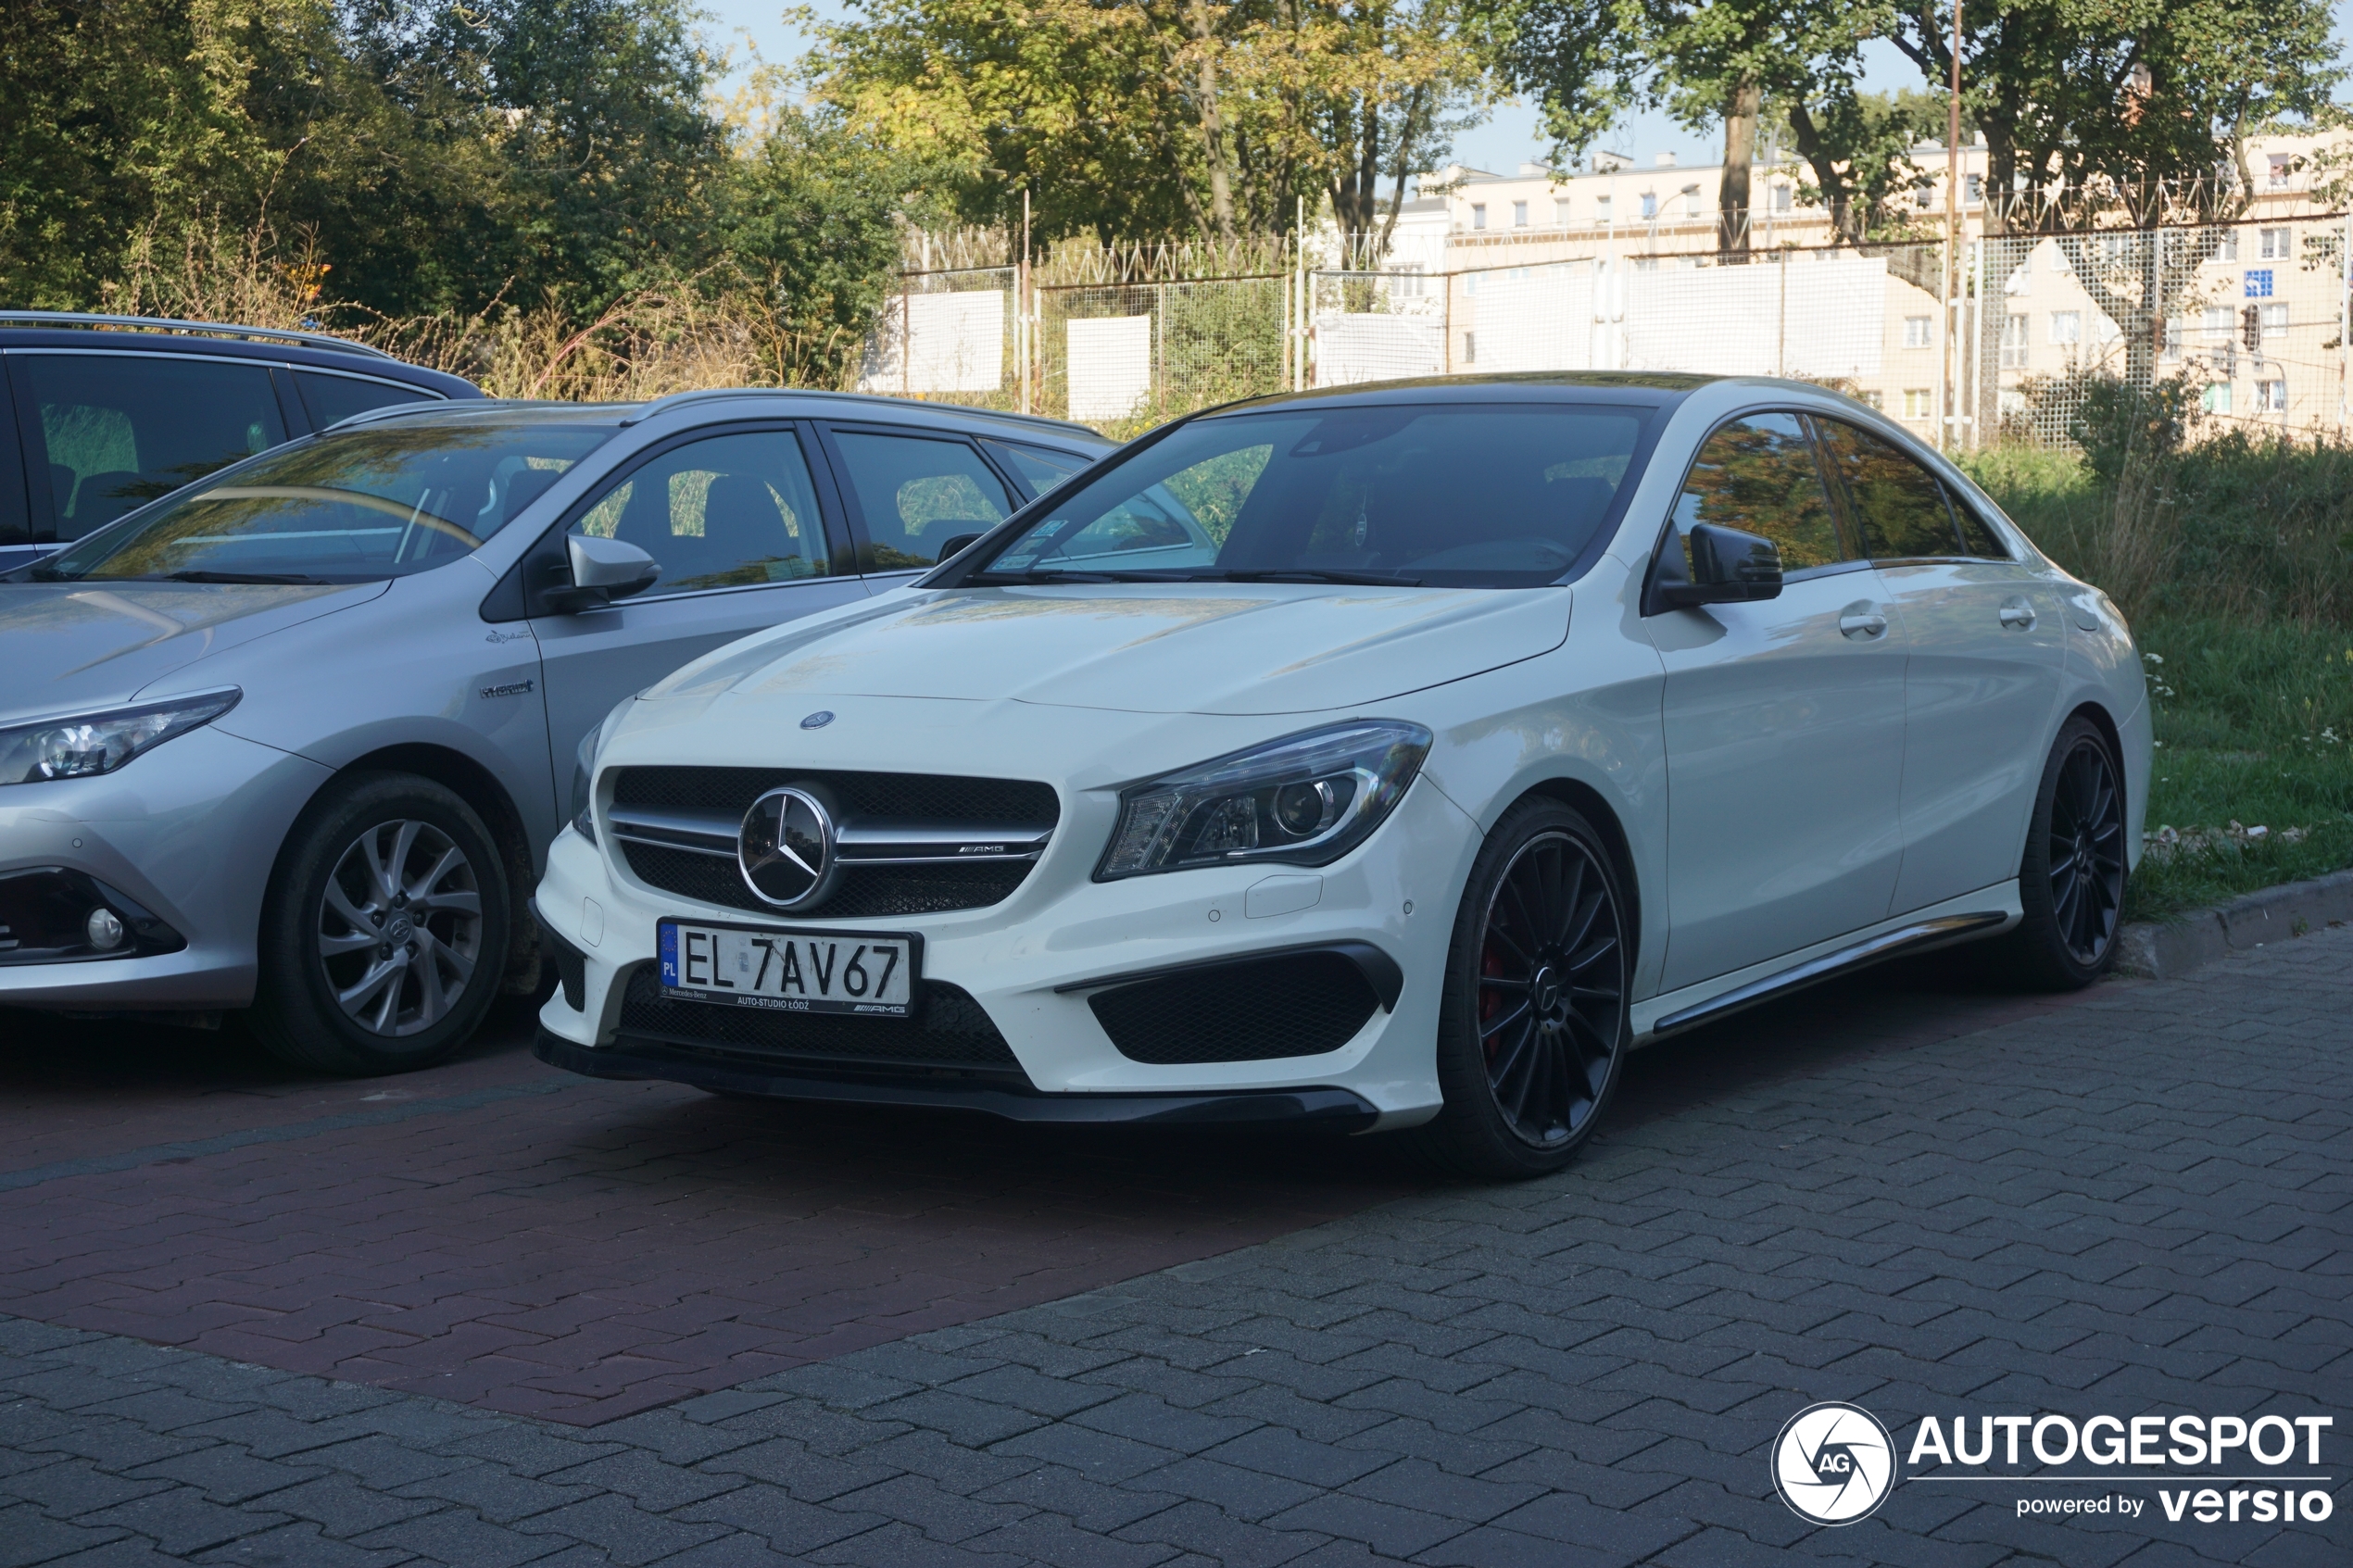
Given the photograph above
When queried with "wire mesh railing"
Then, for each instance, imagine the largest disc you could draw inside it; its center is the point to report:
(2004, 342)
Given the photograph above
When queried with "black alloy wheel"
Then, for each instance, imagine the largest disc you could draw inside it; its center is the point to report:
(1534, 1029)
(2072, 877)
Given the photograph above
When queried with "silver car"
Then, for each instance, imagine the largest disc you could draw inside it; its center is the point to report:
(364, 660)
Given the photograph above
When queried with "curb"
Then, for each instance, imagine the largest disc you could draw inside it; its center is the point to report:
(2161, 950)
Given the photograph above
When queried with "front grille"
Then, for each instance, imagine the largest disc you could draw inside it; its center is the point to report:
(950, 1031)
(1291, 1004)
(862, 891)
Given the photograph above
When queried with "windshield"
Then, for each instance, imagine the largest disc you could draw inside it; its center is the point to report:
(352, 507)
(1481, 496)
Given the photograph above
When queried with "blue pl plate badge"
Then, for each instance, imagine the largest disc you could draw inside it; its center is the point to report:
(669, 954)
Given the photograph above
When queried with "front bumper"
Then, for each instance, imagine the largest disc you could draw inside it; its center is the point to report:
(1032, 961)
(191, 832)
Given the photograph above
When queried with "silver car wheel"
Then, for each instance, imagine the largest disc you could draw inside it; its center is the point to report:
(400, 928)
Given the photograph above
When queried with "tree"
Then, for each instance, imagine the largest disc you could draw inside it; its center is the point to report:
(1858, 146)
(2141, 108)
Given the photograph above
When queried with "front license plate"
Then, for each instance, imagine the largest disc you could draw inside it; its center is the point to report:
(789, 970)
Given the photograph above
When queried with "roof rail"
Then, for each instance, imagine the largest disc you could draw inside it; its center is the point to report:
(172, 324)
(444, 406)
(710, 395)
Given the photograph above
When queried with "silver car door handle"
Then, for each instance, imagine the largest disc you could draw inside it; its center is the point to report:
(2019, 613)
(1862, 623)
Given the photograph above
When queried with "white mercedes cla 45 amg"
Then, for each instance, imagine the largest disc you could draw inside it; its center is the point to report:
(1396, 756)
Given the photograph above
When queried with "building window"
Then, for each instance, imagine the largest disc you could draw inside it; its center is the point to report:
(1691, 200)
(1470, 348)
(1470, 282)
(1924, 194)
(2282, 167)
(2219, 319)
(2217, 399)
(1406, 282)
(2067, 327)
(1650, 206)
(1519, 214)
(1974, 190)
(2275, 244)
(2274, 318)
(1647, 264)
(2226, 249)
(1916, 331)
(1478, 215)
(2014, 343)
(2103, 330)
(1601, 209)
(1916, 403)
(2270, 396)
(2177, 331)
(1782, 194)
(1560, 211)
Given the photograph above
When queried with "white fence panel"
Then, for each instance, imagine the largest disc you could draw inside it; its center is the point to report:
(1352, 346)
(1111, 366)
(937, 342)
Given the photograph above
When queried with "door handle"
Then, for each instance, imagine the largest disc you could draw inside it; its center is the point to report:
(2019, 613)
(1861, 623)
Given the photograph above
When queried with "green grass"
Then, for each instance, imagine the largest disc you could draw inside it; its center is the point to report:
(2245, 700)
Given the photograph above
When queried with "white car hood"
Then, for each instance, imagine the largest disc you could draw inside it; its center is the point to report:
(1221, 648)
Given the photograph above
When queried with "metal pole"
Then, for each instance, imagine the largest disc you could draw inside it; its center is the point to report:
(2344, 320)
(906, 338)
(1976, 347)
(1953, 239)
(1021, 304)
(1298, 311)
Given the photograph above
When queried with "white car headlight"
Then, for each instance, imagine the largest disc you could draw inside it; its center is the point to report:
(583, 771)
(88, 743)
(1307, 799)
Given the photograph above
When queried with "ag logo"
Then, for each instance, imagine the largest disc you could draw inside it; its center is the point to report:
(1834, 1463)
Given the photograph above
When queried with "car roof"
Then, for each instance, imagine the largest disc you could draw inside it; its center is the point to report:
(85, 333)
(1653, 387)
(801, 402)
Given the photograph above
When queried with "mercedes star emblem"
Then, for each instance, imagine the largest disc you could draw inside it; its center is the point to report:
(786, 848)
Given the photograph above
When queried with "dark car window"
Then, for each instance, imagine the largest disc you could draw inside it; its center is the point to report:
(1037, 468)
(1977, 537)
(104, 432)
(330, 397)
(722, 512)
(1897, 503)
(1758, 475)
(1489, 496)
(350, 507)
(916, 493)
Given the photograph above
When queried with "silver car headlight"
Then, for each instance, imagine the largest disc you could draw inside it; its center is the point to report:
(1307, 799)
(89, 744)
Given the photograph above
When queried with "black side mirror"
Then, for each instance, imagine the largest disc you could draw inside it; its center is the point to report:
(601, 570)
(1727, 567)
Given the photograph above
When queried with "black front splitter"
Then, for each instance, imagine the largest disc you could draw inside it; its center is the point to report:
(1339, 1109)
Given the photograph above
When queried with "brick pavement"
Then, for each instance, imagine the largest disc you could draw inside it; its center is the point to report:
(2135, 1203)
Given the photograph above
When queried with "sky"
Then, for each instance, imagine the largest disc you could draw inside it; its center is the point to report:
(1510, 137)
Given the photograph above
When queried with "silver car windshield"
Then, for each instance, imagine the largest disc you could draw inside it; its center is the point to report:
(1479, 496)
(350, 507)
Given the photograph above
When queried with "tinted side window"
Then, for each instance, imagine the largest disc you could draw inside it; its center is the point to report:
(1977, 537)
(330, 397)
(1897, 503)
(1758, 475)
(1038, 468)
(720, 513)
(106, 432)
(16, 528)
(916, 493)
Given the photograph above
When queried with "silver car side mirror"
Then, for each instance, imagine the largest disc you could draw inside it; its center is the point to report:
(602, 570)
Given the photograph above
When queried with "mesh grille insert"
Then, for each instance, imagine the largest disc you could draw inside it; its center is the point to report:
(864, 891)
(1292, 1004)
(950, 1030)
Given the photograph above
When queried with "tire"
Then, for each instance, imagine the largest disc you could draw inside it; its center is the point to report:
(1541, 930)
(362, 859)
(2070, 881)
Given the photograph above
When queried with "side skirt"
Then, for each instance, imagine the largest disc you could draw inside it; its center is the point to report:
(1983, 914)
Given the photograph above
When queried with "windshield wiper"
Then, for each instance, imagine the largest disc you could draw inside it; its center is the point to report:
(241, 577)
(1287, 574)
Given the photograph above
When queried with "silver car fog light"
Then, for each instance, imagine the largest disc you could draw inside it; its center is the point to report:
(1307, 799)
(89, 744)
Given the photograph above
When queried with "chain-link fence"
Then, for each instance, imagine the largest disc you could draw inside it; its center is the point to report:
(2003, 342)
